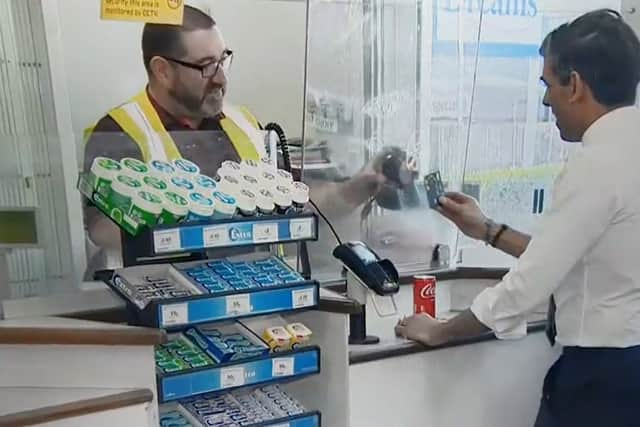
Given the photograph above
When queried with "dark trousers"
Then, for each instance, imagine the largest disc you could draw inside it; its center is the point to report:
(597, 387)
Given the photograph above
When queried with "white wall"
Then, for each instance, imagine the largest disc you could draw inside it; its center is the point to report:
(103, 60)
(494, 383)
(268, 38)
(477, 385)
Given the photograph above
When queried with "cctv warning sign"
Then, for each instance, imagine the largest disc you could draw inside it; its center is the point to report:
(153, 11)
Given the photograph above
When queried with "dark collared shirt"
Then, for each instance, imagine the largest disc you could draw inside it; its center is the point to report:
(207, 146)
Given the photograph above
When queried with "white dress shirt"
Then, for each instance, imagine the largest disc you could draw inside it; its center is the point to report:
(587, 252)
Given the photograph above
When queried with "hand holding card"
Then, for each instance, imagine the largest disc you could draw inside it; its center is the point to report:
(434, 187)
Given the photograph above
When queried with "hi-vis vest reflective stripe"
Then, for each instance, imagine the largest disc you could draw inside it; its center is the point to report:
(139, 119)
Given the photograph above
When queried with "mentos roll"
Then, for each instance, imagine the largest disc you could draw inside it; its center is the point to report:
(155, 185)
(284, 178)
(251, 167)
(229, 167)
(161, 169)
(264, 202)
(174, 208)
(249, 182)
(282, 199)
(186, 168)
(200, 207)
(134, 167)
(246, 202)
(299, 195)
(104, 171)
(123, 189)
(230, 185)
(181, 185)
(146, 207)
(205, 185)
(267, 165)
(268, 180)
(224, 205)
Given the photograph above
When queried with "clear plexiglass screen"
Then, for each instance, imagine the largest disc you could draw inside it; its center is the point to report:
(453, 85)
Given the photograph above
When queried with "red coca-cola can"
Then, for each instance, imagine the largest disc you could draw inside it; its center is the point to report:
(424, 294)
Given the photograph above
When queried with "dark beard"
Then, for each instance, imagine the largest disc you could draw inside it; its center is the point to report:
(195, 105)
(191, 104)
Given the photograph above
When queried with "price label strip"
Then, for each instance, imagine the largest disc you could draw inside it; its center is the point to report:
(283, 367)
(301, 228)
(232, 377)
(303, 298)
(167, 240)
(238, 304)
(215, 236)
(265, 233)
(175, 314)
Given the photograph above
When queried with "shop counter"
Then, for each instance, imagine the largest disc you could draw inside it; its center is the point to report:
(479, 381)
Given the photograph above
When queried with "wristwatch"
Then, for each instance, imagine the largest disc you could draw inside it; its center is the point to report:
(490, 231)
(493, 232)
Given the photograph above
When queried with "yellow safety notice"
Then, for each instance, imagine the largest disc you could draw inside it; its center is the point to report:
(154, 11)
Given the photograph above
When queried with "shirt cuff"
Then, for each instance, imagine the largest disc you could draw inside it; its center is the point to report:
(505, 327)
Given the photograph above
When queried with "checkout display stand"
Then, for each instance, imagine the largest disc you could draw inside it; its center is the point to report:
(198, 394)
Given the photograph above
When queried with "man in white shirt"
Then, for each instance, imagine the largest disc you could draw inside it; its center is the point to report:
(587, 253)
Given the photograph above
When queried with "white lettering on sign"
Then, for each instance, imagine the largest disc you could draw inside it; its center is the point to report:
(237, 234)
(428, 291)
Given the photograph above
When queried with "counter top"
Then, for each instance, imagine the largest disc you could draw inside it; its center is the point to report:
(333, 302)
(33, 406)
(453, 295)
(394, 347)
(61, 331)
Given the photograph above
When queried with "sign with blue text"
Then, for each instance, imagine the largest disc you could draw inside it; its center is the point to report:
(509, 27)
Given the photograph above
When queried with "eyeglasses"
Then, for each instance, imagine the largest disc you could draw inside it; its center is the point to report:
(210, 69)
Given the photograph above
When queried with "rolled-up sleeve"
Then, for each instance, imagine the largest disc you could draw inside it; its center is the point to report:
(584, 204)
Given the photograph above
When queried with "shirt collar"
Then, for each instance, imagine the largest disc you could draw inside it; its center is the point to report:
(608, 124)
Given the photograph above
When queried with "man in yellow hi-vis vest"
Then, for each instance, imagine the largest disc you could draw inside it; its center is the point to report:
(182, 113)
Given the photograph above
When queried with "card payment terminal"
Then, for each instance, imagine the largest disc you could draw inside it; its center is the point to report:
(368, 277)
